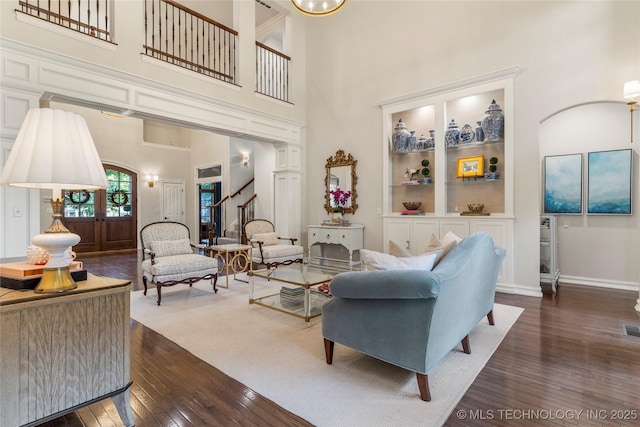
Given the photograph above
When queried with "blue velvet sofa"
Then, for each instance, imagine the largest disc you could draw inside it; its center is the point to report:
(413, 318)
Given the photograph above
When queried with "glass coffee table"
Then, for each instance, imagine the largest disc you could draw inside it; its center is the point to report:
(295, 294)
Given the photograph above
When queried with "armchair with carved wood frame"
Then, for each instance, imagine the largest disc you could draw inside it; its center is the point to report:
(268, 249)
(168, 258)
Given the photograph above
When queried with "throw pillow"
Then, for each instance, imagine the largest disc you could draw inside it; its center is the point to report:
(397, 250)
(170, 247)
(448, 242)
(267, 239)
(373, 260)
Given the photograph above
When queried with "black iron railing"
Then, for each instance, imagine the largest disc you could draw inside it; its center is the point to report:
(90, 17)
(272, 72)
(183, 37)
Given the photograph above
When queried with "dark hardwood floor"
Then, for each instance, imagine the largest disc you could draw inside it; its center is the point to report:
(566, 353)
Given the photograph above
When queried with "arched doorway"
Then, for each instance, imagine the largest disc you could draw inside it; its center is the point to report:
(105, 220)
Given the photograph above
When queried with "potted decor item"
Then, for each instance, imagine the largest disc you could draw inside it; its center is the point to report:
(425, 172)
(493, 167)
(340, 199)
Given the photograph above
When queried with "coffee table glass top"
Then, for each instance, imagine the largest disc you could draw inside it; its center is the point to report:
(297, 274)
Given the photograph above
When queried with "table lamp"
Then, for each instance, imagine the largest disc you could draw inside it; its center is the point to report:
(54, 150)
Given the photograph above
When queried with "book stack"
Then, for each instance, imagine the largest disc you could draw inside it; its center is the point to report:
(412, 212)
(291, 296)
(410, 182)
(24, 275)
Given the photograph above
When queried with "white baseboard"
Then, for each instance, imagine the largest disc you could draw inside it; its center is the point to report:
(600, 283)
(512, 288)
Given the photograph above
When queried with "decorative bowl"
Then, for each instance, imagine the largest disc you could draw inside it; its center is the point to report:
(412, 206)
(475, 207)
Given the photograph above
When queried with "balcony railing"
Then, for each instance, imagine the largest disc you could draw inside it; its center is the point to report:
(173, 34)
(272, 72)
(91, 17)
(183, 37)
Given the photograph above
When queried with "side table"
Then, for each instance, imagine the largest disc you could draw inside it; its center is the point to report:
(350, 237)
(235, 258)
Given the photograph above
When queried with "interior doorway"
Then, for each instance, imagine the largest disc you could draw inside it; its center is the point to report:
(208, 195)
(105, 220)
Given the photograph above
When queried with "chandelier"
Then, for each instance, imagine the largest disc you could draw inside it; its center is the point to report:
(318, 7)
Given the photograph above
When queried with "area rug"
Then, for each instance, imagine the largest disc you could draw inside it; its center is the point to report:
(282, 358)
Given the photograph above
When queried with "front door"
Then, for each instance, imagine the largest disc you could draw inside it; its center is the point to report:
(105, 220)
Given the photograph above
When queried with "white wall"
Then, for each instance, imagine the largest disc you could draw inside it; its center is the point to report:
(603, 250)
(570, 53)
(120, 142)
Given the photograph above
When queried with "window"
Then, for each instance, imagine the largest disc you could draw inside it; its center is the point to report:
(119, 194)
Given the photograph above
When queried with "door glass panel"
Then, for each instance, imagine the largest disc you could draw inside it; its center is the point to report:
(79, 203)
(119, 194)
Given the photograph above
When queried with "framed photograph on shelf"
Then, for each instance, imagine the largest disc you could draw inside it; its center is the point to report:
(470, 167)
(563, 184)
(609, 182)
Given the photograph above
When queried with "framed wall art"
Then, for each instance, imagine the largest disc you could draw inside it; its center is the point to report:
(470, 167)
(563, 184)
(609, 182)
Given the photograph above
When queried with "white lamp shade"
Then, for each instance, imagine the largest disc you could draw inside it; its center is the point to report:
(54, 149)
(632, 89)
(318, 7)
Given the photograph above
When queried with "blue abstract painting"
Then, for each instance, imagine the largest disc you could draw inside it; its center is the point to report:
(609, 182)
(563, 184)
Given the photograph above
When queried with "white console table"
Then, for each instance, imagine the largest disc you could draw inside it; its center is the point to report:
(350, 237)
(63, 351)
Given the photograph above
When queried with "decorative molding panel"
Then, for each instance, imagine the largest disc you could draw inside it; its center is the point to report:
(70, 80)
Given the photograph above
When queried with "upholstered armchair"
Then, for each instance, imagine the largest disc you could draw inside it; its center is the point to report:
(168, 258)
(268, 248)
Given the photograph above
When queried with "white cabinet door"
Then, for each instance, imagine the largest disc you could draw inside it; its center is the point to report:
(501, 237)
(421, 233)
(398, 230)
(459, 227)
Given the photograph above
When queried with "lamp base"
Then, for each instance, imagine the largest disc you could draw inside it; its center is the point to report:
(55, 280)
(56, 276)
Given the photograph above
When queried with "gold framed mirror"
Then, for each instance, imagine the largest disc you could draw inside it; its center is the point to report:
(341, 173)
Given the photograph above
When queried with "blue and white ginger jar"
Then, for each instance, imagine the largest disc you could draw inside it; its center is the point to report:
(400, 138)
(452, 134)
(493, 123)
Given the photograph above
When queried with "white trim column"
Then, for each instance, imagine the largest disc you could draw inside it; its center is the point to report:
(288, 190)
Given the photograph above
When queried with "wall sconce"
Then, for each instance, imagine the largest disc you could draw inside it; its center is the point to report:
(631, 92)
(152, 181)
(245, 159)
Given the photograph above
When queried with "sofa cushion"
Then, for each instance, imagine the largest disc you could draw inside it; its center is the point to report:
(444, 246)
(397, 250)
(267, 239)
(171, 247)
(373, 260)
(180, 266)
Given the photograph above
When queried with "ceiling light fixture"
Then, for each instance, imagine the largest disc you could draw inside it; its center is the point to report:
(318, 7)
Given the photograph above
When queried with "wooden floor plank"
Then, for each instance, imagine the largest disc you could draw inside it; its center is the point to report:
(566, 352)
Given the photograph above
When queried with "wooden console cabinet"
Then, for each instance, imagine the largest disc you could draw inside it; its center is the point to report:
(61, 352)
